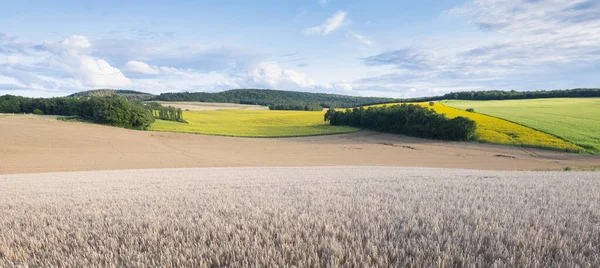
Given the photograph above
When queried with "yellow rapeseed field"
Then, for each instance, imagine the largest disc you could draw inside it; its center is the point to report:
(495, 130)
(252, 123)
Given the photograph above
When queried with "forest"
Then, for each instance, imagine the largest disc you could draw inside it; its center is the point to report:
(277, 99)
(407, 119)
(305, 101)
(111, 110)
(128, 94)
(515, 95)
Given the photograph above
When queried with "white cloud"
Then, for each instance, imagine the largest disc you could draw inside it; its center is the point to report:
(10, 81)
(363, 40)
(70, 44)
(98, 73)
(336, 21)
(271, 75)
(324, 2)
(12, 60)
(71, 56)
(9, 60)
(140, 67)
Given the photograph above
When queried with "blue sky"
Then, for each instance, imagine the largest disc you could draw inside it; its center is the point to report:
(366, 48)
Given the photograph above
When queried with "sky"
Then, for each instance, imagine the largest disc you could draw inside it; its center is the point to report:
(354, 47)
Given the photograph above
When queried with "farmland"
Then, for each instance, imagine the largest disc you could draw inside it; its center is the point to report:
(252, 123)
(498, 131)
(35, 144)
(573, 119)
(303, 217)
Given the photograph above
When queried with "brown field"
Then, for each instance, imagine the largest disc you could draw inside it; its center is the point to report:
(31, 144)
(300, 217)
(210, 106)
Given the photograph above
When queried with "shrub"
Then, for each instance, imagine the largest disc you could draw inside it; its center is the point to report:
(470, 110)
(431, 103)
(38, 112)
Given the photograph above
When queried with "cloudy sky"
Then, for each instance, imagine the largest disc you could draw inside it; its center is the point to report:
(368, 48)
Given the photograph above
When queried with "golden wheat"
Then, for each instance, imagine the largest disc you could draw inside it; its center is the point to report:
(302, 217)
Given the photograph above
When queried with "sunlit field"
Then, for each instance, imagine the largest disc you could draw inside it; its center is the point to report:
(301, 217)
(574, 119)
(498, 131)
(252, 123)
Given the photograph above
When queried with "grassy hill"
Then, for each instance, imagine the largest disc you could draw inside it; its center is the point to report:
(276, 99)
(128, 94)
(572, 119)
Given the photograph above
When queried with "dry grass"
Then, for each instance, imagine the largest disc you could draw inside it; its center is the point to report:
(304, 217)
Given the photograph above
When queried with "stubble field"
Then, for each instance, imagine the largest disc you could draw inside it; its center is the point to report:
(328, 216)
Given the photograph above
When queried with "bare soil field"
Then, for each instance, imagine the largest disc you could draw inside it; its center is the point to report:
(302, 217)
(30, 144)
(210, 106)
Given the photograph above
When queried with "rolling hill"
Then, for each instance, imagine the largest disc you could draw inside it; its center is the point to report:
(276, 99)
(128, 94)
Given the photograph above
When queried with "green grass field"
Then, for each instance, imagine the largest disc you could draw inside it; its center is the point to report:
(576, 120)
(252, 123)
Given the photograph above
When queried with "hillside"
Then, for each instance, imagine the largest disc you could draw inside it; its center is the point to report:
(128, 94)
(519, 95)
(276, 99)
(572, 119)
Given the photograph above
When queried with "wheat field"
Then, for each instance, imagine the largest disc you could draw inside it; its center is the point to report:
(300, 217)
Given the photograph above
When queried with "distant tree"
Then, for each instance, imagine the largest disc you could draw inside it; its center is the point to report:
(470, 110)
(38, 112)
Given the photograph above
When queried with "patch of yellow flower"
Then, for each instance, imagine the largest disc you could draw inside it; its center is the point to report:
(252, 123)
(499, 131)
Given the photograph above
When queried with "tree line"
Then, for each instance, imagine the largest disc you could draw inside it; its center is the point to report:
(407, 119)
(296, 107)
(276, 99)
(513, 95)
(305, 101)
(165, 113)
(109, 110)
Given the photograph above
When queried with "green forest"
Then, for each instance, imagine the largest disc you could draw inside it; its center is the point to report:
(518, 95)
(109, 109)
(305, 101)
(127, 94)
(407, 119)
(277, 99)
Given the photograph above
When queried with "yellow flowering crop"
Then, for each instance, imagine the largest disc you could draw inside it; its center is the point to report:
(252, 123)
(495, 130)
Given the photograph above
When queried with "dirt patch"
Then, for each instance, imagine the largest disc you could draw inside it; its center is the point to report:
(28, 145)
